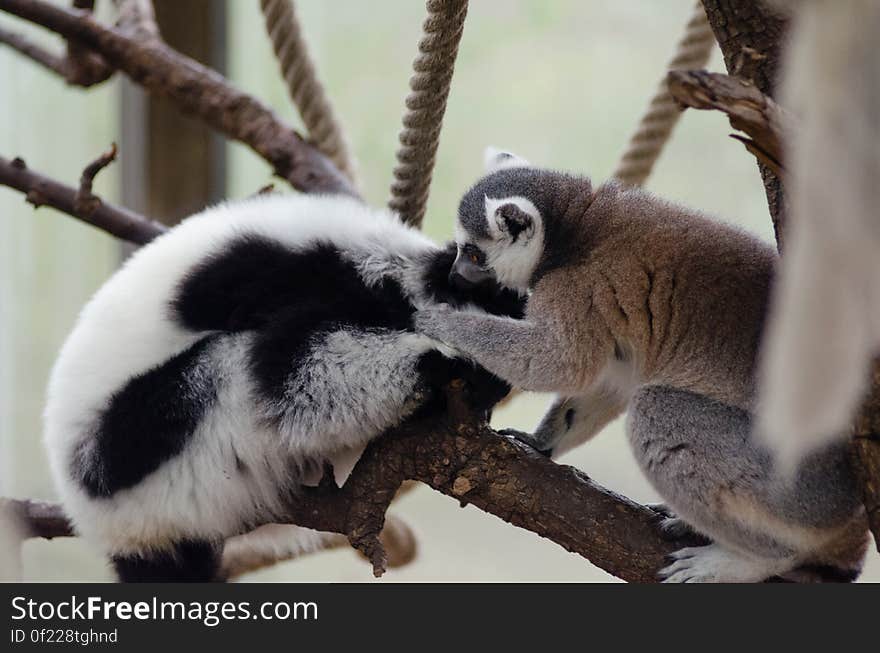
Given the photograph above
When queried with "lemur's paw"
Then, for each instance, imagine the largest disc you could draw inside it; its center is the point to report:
(715, 564)
(673, 528)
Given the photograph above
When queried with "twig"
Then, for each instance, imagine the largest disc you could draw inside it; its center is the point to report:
(79, 67)
(43, 191)
(268, 189)
(746, 107)
(196, 90)
(20, 43)
(85, 202)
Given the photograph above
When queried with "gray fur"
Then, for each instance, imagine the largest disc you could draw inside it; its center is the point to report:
(701, 457)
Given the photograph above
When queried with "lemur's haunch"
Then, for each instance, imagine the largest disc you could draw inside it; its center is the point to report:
(230, 358)
(636, 302)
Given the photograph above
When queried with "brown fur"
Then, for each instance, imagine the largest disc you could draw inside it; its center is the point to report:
(680, 295)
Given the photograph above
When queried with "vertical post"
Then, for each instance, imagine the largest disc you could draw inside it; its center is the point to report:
(173, 166)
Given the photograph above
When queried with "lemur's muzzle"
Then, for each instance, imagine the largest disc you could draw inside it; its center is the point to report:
(466, 274)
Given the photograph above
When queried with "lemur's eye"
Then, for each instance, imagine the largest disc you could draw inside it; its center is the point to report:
(474, 254)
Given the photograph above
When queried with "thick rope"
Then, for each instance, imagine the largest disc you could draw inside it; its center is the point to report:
(663, 113)
(303, 85)
(425, 106)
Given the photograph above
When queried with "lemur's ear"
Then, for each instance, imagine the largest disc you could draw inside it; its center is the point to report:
(495, 160)
(512, 220)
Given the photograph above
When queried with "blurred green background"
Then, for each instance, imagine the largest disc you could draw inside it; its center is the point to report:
(561, 82)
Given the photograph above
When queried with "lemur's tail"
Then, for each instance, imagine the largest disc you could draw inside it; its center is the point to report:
(825, 320)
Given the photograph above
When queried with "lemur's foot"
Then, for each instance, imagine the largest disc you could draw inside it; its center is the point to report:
(529, 439)
(715, 564)
(674, 528)
(671, 526)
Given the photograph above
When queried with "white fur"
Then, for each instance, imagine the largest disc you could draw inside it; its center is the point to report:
(825, 319)
(126, 330)
(513, 262)
(716, 564)
(495, 159)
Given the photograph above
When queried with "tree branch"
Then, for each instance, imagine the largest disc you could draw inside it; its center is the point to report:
(196, 90)
(79, 67)
(83, 67)
(750, 35)
(747, 108)
(21, 44)
(43, 191)
(471, 463)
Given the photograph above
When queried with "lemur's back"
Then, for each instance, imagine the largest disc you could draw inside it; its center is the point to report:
(673, 287)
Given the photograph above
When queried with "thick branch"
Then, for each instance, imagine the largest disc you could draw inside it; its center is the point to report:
(750, 34)
(195, 90)
(472, 464)
(747, 108)
(43, 191)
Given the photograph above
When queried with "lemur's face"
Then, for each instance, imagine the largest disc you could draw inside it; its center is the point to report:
(500, 230)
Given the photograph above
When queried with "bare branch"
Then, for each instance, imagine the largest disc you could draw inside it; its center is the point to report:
(43, 191)
(468, 461)
(196, 90)
(746, 107)
(472, 464)
(20, 43)
(750, 34)
(85, 202)
(79, 68)
(83, 68)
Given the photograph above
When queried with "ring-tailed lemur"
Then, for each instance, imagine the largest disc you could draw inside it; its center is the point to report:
(638, 302)
(228, 359)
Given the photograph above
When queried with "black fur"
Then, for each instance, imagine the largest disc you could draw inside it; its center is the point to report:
(287, 299)
(187, 562)
(515, 219)
(488, 296)
(337, 297)
(248, 284)
(147, 422)
(482, 389)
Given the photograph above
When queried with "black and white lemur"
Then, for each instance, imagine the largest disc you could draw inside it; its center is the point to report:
(227, 360)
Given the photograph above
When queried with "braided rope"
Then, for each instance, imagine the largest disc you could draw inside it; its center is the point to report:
(425, 106)
(663, 113)
(303, 85)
